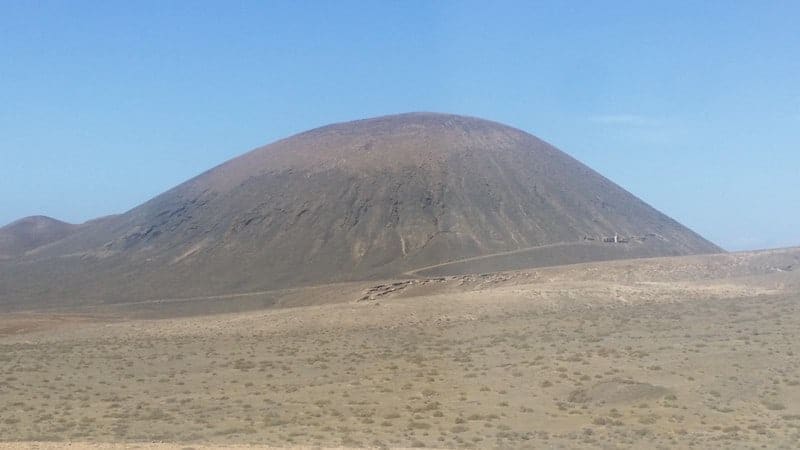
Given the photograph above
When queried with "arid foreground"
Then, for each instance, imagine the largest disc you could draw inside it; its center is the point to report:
(696, 352)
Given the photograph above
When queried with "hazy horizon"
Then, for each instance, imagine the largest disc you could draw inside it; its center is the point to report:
(693, 108)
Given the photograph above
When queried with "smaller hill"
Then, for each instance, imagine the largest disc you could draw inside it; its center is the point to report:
(29, 233)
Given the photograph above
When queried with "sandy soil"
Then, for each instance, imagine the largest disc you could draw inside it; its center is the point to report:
(146, 446)
(664, 353)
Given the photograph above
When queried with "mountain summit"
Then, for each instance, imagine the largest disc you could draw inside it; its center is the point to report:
(31, 232)
(368, 199)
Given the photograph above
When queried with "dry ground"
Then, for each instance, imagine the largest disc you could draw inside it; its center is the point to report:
(675, 352)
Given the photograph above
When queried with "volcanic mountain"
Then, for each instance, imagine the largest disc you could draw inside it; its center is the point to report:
(376, 198)
(31, 232)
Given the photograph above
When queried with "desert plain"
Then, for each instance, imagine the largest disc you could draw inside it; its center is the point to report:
(676, 352)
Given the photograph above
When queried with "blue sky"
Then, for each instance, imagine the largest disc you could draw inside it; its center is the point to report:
(692, 106)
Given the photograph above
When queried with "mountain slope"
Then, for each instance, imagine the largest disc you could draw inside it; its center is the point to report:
(356, 200)
(29, 233)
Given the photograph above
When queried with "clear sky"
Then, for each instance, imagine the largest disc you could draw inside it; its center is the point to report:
(693, 106)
